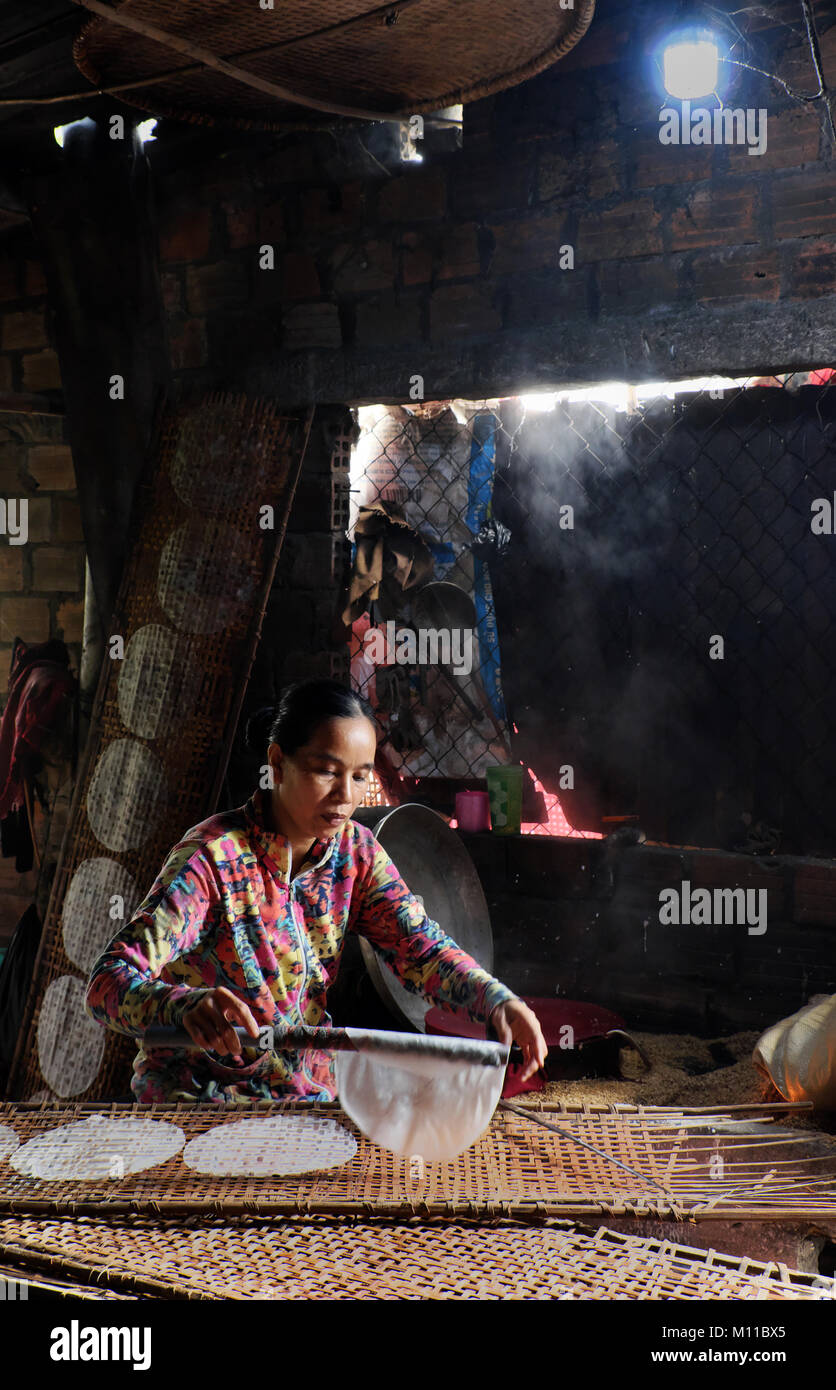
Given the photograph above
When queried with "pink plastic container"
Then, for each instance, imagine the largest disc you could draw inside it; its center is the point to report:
(473, 811)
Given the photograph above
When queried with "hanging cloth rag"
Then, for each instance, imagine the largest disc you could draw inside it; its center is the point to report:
(390, 557)
(39, 683)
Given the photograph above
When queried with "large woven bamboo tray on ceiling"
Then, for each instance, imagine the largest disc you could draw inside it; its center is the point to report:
(670, 1165)
(346, 57)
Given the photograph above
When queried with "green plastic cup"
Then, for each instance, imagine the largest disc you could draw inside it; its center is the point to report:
(505, 787)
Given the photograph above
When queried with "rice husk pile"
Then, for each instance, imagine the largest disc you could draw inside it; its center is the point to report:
(684, 1072)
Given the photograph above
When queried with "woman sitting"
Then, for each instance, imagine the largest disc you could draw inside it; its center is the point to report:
(246, 922)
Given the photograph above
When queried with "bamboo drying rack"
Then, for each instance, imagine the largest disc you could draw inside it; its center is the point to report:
(326, 1257)
(683, 1167)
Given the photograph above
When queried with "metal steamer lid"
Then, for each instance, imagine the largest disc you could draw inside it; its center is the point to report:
(437, 868)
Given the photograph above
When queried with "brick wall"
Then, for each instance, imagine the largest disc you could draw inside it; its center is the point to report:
(28, 362)
(41, 582)
(41, 596)
(688, 259)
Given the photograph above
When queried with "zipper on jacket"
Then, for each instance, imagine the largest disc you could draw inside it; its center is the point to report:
(303, 987)
(298, 932)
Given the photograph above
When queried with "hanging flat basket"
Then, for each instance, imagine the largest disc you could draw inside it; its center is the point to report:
(225, 62)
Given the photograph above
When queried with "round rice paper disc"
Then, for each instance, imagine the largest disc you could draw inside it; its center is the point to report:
(98, 1148)
(430, 1106)
(71, 1044)
(273, 1147)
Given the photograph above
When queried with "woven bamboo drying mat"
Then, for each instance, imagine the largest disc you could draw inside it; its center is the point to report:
(189, 612)
(680, 1169)
(340, 1257)
(53, 1283)
(340, 53)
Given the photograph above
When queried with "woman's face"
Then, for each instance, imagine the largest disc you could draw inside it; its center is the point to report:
(318, 787)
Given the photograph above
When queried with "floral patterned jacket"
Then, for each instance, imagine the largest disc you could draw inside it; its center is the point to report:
(222, 911)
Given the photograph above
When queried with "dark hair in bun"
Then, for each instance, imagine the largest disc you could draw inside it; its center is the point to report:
(302, 708)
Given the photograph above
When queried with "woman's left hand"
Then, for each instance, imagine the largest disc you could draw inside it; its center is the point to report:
(515, 1022)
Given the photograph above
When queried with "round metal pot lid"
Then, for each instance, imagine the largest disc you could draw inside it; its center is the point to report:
(437, 868)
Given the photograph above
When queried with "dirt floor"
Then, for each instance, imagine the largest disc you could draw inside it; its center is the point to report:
(685, 1071)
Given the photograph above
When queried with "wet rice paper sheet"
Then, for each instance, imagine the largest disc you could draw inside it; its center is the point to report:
(426, 1103)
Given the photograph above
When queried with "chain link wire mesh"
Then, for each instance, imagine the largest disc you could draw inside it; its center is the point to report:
(647, 575)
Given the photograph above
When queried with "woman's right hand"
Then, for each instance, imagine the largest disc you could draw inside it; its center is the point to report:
(211, 1021)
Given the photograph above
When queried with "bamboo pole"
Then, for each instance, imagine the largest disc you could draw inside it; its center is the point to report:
(617, 1109)
(97, 1276)
(638, 1208)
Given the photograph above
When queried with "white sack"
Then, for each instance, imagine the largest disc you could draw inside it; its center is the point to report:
(799, 1053)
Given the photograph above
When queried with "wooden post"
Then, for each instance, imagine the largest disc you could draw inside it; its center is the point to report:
(93, 220)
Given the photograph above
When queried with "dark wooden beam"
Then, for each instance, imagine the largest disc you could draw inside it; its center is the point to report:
(94, 223)
(27, 403)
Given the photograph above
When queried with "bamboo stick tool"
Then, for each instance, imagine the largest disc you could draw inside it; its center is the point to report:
(467, 1050)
